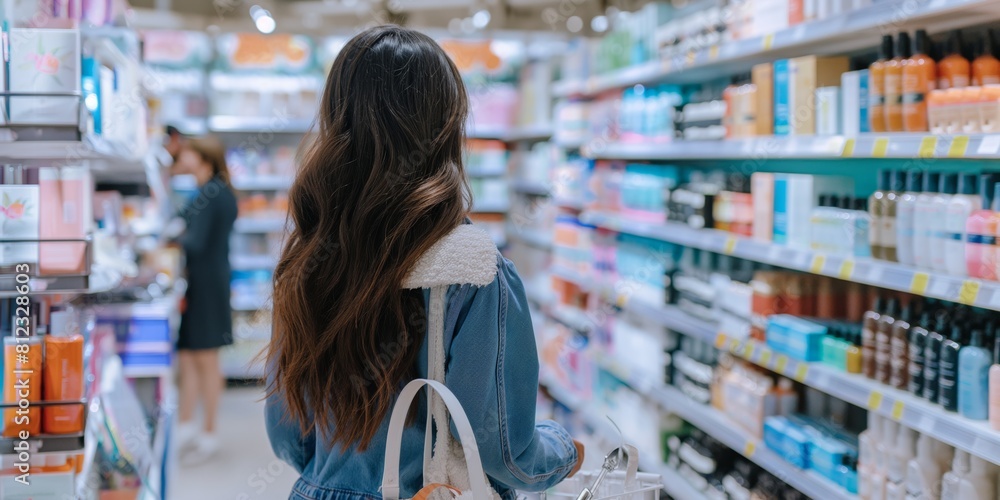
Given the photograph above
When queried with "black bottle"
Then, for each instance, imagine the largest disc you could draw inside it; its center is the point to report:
(932, 350)
(918, 342)
(948, 369)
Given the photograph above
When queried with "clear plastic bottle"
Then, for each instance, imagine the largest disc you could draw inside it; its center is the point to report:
(905, 213)
(922, 231)
(939, 221)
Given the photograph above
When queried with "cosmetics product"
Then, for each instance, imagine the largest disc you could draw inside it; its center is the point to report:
(939, 221)
(62, 375)
(974, 362)
(795, 337)
(869, 332)
(862, 227)
(66, 213)
(948, 369)
(899, 367)
(806, 75)
(901, 452)
(980, 482)
(854, 102)
(905, 211)
(952, 480)
(994, 386)
(969, 110)
(18, 370)
(932, 357)
(888, 229)
(853, 354)
(795, 196)
(894, 84)
(883, 339)
(869, 459)
(980, 232)
(919, 78)
(985, 67)
(922, 231)
(876, 89)
(783, 110)
(45, 61)
(19, 207)
(828, 111)
(877, 209)
(953, 70)
(915, 354)
(923, 472)
(960, 208)
(762, 75)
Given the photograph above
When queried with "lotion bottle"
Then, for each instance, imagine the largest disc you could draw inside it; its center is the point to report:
(952, 481)
(960, 208)
(974, 362)
(923, 473)
(995, 386)
(905, 211)
(939, 221)
(980, 233)
(922, 220)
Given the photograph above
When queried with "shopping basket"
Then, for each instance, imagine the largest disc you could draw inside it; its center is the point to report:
(618, 479)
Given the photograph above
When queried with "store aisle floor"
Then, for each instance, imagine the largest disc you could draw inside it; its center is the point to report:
(245, 468)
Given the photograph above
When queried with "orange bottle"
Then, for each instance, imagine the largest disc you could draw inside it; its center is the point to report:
(986, 67)
(919, 78)
(876, 87)
(894, 84)
(954, 70)
(22, 374)
(62, 380)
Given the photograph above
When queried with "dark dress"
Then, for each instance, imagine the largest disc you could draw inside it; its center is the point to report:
(207, 322)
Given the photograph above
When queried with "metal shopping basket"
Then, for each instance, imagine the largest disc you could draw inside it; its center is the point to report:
(618, 479)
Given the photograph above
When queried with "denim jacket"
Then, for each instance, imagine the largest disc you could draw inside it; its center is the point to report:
(491, 367)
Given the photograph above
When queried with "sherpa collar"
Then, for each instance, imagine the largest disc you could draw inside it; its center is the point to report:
(466, 256)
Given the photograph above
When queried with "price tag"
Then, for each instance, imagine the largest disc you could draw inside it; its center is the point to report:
(927, 146)
(958, 146)
(749, 448)
(817, 264)
(969, 292)
(801, 371)
(846, 270)
(781, 363)
(730, 246)
(989, 146)
(735, 346)
(768, 41)
(748, 351)
(690, 57)
(881, 147)
(713, 52)
(848, 148)
(897, 411)
(621, 300)
(919, 284)
(765, 357)
(874, 400)
(720, 340)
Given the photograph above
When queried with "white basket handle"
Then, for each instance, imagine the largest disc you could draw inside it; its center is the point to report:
(390, 475)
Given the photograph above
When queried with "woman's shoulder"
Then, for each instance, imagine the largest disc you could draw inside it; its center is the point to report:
(465, 256)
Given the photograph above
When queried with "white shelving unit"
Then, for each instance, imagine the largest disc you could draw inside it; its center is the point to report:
(259, 225)
(255, 124)
(534, 237)
(249, 262)
(263, 183)
(530, 187)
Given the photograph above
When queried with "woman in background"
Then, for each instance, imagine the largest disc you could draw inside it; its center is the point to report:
(206, 324)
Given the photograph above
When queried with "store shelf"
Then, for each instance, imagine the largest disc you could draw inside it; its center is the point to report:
(251, 262)
(533, 237)
(570, 203)
(99, 280)
(45, 444)
(571, 143)
(101, 155)
(490, 207)
(978, 146)
(529, 133)
(263, 183)
(984, 294)
(259, 225)
(531, 187)
(487, 132)
(258, 124)
(976, 437)
(836, 34)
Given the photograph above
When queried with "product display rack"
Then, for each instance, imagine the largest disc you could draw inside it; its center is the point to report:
(258, 125)
(842, 33)
(889, 275)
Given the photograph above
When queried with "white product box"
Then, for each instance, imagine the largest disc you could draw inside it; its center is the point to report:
(795, 197)
(45, 61)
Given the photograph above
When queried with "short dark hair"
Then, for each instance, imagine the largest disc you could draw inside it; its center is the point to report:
(173, 131)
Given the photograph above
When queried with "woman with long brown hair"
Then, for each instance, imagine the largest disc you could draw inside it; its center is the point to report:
(379, 210)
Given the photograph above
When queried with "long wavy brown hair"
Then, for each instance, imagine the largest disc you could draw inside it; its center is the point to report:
(379, 183)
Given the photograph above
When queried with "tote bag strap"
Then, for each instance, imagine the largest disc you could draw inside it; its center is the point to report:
(435, 372)
(390, 474)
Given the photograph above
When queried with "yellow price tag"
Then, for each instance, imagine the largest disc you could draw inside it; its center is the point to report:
(817, 264)
(846, 270)
(897, 410)
(968, 293)
(874, 400)
(730, 246)
(713, 52)
(927, 147)
(919, 283)
(691, 55)
(765, 357)
(958, 146)
(781, 363)
(720, 340)
(768, 41)
(749, 448)
(801, 371)
(848, 148)
(748, 351)
(881, 147)
(621, 300)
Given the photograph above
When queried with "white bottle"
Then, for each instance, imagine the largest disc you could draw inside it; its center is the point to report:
(939, 221)
(953, 479)
(902, 452)
(959, 209)
(884, 450)
(922, 221)
(905, 212)
(980, 482)
(868, 458)
(923, 472)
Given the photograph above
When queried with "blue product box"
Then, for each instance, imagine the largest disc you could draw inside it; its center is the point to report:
(782, 97)
(795, 337)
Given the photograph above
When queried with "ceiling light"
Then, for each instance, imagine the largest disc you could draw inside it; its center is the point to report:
(599, 24)
(467, 26)
(262, 19)
(481, 19)
(574, 24)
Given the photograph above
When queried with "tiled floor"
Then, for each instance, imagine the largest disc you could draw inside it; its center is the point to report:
(245, 468)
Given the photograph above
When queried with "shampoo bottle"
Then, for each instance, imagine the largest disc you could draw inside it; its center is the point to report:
(877, 209)
(948, 368)
(894, 84)
(869, 333)
(902, 451)
(905, 211)
(980, 233)
(995, 386)
(919, 78)
(918, 342)
(954, 70)
(960, 208)
(980, 482)
(883, 339)
(899, 372)
(939, 221)
(952, 480)
(876, 87)
(922, 220)
(974, 362)
(932, 354)
(985, 67)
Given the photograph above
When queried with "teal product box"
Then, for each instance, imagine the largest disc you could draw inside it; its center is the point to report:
(854, 105)
(794, 198)
(783, 89)
(788, 440)
(91, 85)
(795, 337)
